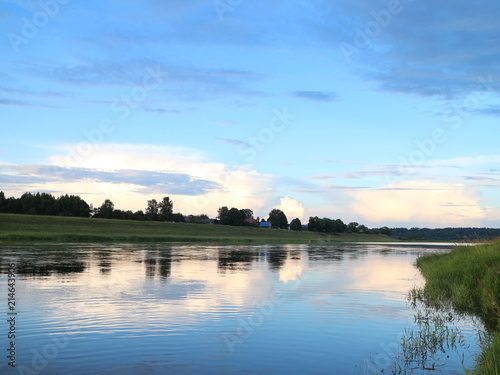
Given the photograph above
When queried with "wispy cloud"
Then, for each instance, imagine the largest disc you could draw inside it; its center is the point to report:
(492, 110)
(344, 187)
(182, 82)
(154, 181)
(14, 102)
(234, 142)
(317, 96)
(421, 50)
(340, 161)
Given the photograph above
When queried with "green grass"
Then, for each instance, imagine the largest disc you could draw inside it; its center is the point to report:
(70, 229)
(469, 277)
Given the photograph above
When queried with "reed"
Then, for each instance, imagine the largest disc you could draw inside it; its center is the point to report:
(469, 277)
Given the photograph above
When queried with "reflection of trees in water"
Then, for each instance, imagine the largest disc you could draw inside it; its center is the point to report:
(45, 264)
(105, 263)
(231, 260)
(276, 258)
(105, 266)
(242, 259)
(158, 263)
(318, 253)
(49, 268)
(165, 263)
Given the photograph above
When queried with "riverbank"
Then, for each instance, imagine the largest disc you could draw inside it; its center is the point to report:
(469, 277)
(16, 228)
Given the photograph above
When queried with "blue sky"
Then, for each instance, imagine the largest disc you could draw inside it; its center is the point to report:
(380, 112)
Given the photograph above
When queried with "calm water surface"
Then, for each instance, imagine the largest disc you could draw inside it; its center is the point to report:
(194, 309)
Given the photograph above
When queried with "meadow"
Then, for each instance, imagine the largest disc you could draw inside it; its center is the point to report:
(15, 227)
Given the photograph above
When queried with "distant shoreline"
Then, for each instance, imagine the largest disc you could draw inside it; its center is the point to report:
(34, 228)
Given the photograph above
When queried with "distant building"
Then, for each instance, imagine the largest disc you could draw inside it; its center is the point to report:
(265, 224)
(252, 221)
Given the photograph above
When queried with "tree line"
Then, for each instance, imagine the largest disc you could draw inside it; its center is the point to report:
(74, 205)
(154, 211)
(244, 217)
(446, 234)
(45, 204)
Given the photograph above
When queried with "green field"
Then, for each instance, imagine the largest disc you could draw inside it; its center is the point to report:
(72, 229)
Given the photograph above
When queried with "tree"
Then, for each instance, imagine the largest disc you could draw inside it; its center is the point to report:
(236, 217)
(340, 226)
(223, 215)
(278, 219)
(386, 231)
(247, 213)
(139, 215)
(3, 200)
(296, 224)
(363, 229)
(152, 210)
(352, 227)
(106, 209)
(178, 218)
(314, 224)
(166, 207)
(328, 225)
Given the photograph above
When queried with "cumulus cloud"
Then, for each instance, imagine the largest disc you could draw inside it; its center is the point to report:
(420, 203)
(132, 174)
(292, 208)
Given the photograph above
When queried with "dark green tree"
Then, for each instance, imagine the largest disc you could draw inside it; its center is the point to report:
(166, 207)
(152, 210)
(385, 230)
(278, 219)
(178, 218)
(340, 227)
(106, 210)
(328, 225)
(352, 227)
(247, 213)
(363, 229)
(139, 215)
(223, 215)
(314, 224)
(295, 224)
(236, 217)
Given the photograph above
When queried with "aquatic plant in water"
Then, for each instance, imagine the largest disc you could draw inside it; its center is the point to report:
(428, 346)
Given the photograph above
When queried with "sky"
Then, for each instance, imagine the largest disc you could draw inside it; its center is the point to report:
(380, 112)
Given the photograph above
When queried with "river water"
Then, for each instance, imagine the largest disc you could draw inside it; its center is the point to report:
(197, 309)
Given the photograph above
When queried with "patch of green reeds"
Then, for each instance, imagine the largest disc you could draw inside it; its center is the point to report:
(469, 277)
(426, 347)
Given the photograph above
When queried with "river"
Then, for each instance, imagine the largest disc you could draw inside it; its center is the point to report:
(197, 309)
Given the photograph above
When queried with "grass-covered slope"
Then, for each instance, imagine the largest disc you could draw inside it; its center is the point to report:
(469, 277)
(64, 229)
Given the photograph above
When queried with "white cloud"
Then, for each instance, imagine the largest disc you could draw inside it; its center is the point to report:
(129, 175)
(292, 208)
(420, 203)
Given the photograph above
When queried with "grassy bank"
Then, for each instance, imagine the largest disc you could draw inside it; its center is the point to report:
(70, 229)
(469, 277)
